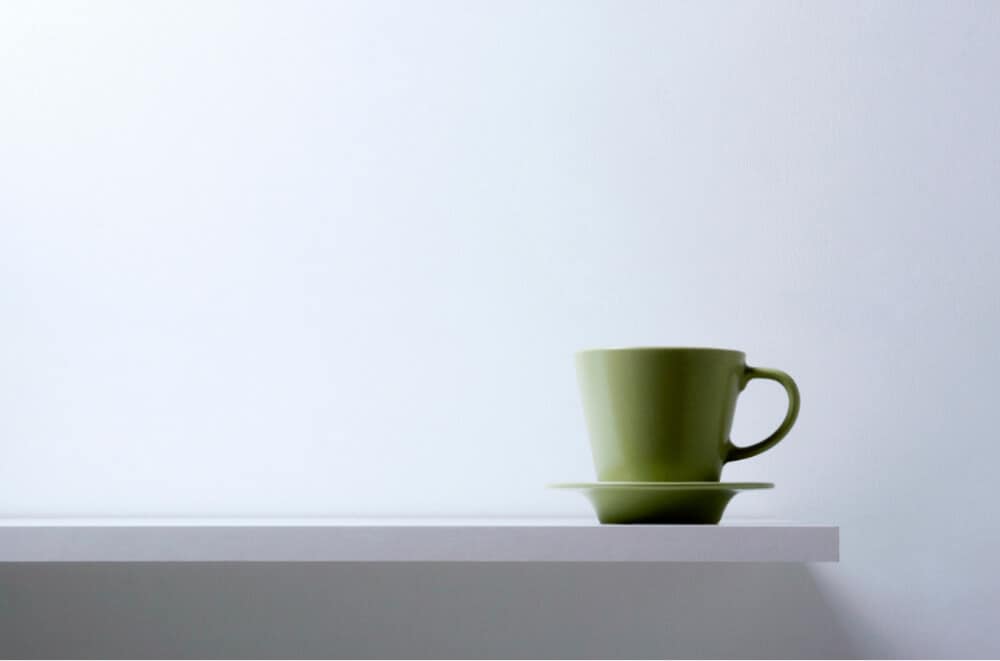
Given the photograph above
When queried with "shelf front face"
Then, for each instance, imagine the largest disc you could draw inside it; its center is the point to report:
(408, 540)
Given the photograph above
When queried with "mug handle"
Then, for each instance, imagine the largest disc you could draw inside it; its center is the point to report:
(734, 452)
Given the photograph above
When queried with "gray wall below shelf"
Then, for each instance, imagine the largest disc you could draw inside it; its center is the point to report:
(253, 610)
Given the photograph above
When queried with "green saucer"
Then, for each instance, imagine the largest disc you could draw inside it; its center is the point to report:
(660, 502)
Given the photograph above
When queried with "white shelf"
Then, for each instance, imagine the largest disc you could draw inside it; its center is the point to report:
(408, 540)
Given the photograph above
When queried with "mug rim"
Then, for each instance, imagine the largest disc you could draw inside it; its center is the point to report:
(663, 349)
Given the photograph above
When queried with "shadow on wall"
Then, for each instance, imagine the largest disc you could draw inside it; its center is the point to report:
(690, 610)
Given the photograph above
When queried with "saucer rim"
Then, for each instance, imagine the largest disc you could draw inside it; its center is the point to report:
(662, 486)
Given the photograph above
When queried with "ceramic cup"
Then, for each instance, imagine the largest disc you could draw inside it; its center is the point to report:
(663, 414)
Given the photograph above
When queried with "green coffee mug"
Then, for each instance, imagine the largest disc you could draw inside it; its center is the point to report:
(663, 414)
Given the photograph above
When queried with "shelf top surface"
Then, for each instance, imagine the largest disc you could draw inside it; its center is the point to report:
(127, 539)
(363, 522)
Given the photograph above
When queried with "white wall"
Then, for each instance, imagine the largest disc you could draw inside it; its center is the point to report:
(333, 258)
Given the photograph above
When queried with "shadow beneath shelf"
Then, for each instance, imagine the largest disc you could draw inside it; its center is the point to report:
(360, 610)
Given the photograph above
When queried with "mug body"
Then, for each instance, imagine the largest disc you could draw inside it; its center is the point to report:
(659, 413)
